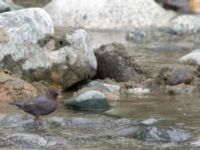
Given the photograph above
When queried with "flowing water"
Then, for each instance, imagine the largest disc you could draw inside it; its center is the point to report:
(86, 130)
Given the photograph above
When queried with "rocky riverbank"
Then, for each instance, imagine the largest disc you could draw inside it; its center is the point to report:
(129, 72)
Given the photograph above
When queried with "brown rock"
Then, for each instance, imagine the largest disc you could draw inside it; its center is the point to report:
(114, 63)
(12, 88)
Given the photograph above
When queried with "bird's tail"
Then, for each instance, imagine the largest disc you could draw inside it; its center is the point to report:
(16, 103)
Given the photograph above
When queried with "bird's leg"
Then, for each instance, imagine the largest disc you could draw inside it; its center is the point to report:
(37, 120)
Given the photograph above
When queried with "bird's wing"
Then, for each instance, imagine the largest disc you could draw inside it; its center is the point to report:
(35, 108)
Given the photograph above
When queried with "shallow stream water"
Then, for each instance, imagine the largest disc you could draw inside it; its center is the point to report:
(89, 131)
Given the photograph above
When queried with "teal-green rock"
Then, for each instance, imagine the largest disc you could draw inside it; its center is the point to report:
(93, 101)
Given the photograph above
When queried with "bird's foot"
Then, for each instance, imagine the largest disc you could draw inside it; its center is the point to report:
(38, 121)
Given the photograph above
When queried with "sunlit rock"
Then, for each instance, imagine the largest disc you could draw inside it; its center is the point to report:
(106, 14)
(193, 58)
(27, 49)
(186, 23)
(68, 65)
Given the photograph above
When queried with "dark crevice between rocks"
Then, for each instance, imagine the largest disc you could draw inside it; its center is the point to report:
(57, 42)
(7, 63)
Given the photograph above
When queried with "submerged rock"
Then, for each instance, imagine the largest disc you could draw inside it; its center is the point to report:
(93, 101)
(115, 63)
(27, 140)
(103, 86)
(154, 134)
(104, 14)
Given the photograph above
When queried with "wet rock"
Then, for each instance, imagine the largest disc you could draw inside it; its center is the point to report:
(27, 140)
(103, 86)
(167, 47)
(4, 6)
(150, 121)
(151, 34)
(154, 134)
(12, 88)
(56, 141)
(196, 142)
(15, 121)
(103, 14)
(57, 121)
(193, 58)
(111, 90)
(173, 76)
(124, 131)
(181, 89)
(115, 63)
(93, 101)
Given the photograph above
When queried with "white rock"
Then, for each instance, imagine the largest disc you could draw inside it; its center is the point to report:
(186, 23)
(20, 52)
(196, 142)
(23, 28)
(28, 139)
(191, 58)
(68, 59)
(106, 14)
(139, 91)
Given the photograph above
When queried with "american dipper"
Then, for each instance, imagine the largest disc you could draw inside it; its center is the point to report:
(40, 105)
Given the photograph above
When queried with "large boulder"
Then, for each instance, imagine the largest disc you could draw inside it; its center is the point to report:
(115, 63)
(29, 49)
(106, 14)
(68, 65)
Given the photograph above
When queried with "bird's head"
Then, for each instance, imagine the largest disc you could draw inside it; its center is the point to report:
(52, 93)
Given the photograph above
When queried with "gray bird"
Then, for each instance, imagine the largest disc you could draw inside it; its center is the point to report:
(40, 105)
